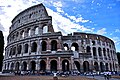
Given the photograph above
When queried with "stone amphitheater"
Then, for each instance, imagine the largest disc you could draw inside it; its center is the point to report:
(33, 45)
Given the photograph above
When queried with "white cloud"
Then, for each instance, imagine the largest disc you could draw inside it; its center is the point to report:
(102, 31)
(116, 40)
(80, 19)
(117, 30)
(58, 6)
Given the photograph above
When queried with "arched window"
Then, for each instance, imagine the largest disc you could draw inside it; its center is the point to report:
(26, 48)
(34, 47)
(74, 47)
(99, 51)
(66, 46)
(36, 30)
(104, 51)
(53, 45)
(88, 49)
(19, 49)
(44, 46)
(45, 29)
(28, 32)
(94, 51)
(14, 51)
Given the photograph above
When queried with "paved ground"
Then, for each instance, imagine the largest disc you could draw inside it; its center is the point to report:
(43, 78)
(102, 78)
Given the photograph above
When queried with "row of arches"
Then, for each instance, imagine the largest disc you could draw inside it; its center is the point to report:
(94, 50)
(28, 32)
(34, 47)
(65, 64)
(42, 66)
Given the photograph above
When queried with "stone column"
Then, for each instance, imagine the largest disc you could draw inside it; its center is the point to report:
(47, 64)
(48, 44)
(59, 64)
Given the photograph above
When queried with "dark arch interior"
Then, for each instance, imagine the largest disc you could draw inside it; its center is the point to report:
(65, 65)
(44, 46)
(53, 65)
(77, 65)
(42, 65)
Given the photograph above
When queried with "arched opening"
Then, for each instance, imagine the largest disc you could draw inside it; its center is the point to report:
(12, 66)
(99, 51)
(24, 66)
(108, 53)
(94, 51)
(14, 51)
(29, 32)
(44, 46)
(77, 64)
(45, 29)
(34, 47)
(101, 66)
(8, 66)
(33, 65)
(88, 49)
(10, 52)
(86, 66)
(104, 52)
(110, 67)
(106, 66)
(53, 45)
(26, 48)
(53, 65)
(17, 66)
(66, 46)
(74, 47)
(42, 65)
(19, 49)
(36, 30)
(65, 65)
(96, 67)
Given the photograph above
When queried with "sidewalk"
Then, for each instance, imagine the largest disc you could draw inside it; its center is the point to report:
(101, 78)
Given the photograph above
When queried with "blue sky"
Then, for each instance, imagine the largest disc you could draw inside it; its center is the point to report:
(91, 16)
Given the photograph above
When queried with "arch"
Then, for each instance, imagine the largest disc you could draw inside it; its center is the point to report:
(53, 45)
(12, 66)
(8, 66)
(104, 51)
(66, 46)
(77, 64)
(45, 29)
(65, 65)
(86, 66)
(26, 48)
(44, 46)
(99, 51)
(24, 68)
(110, 67)
(14, 51)
(101, 66)
(34, 47)
(19, 49)
(94, 51)
(88, 49)
(74, 47)
(106, 67)
(33, 65)
(17, 66)
(42, 65)
(53, 65)
(36, 30)
(10, 52)
(108, 53)
(96, 67)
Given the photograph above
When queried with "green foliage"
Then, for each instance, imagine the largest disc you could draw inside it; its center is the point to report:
(1, 49)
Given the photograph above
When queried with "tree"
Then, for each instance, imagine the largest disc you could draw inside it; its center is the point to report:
(1, 49)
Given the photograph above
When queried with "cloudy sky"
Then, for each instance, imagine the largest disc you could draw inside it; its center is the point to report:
(91, 16)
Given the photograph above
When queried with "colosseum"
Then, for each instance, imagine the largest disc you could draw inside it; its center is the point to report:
(33, 45)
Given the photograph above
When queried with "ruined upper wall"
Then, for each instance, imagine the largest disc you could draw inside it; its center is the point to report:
(29, 15)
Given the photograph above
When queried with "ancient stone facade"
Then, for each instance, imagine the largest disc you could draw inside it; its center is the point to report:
(32, 45)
